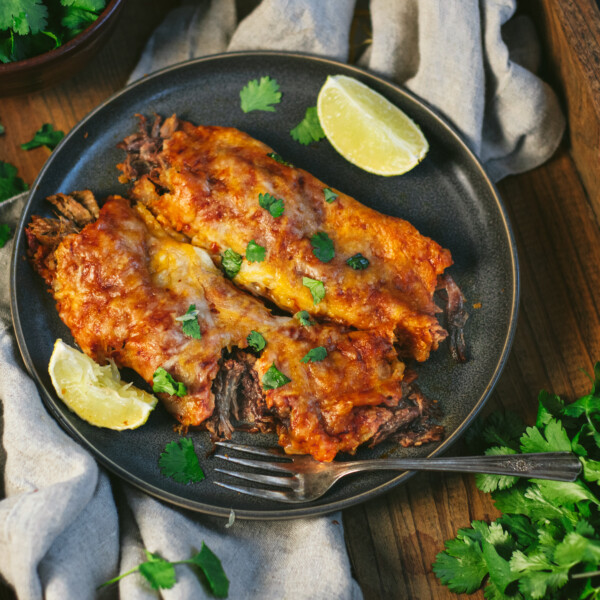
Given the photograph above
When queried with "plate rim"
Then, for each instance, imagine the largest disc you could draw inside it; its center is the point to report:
(288, 512)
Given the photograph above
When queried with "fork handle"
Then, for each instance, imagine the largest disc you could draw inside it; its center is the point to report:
(558, 466)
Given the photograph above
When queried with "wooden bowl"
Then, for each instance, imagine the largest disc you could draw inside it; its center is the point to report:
(50, 68)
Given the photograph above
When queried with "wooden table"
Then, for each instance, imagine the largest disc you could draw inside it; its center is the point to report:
(393, 540)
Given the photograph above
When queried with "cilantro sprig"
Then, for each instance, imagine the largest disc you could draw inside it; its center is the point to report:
(162, 381)
(256, 341)
(189, 323)
(315, 355)
(180, 461)
(309, 129)
(10, 183)
(32, 27)
(329, 194)
(260, 95)
(304, 318)
(231, 263)
(322, 246)
(5, 234)
(160, 573)
(547, 542)
(274, 378)
(46, 135)
(316, 287)
(274, 205)
(255, 252)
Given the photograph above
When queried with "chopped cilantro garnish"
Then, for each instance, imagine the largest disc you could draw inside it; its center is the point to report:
(10, 184)
(317, 288)
(309, 129)
(45, 136)
(260, 95)
(189, 323)
(163, 382)
(358, 262)
(255, 252)
(276, 157)
(315, 355)
(330, 195)
(160, 573)
(256, 341)
(2, 129)
(322, 246)
(274, 378)
(4, 234)
(304, 318)
(180, 461)
(273, 205)
(231, 263)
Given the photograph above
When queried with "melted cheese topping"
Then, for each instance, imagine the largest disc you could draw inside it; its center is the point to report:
(213, 177)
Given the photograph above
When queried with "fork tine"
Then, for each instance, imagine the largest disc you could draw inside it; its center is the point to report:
(253, 450)
(257, 464)
(286, 482)
(267, 494)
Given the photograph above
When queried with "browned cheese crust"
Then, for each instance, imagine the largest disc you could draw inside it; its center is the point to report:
(204, 182)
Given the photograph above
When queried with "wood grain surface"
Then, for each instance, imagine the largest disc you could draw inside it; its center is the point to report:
(393, 540)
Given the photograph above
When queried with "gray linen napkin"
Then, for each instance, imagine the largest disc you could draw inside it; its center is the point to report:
(60, 532)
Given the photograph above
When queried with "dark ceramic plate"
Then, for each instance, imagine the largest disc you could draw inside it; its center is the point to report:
(447, 197)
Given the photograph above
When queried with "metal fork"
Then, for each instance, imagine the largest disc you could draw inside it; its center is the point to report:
(302, 478)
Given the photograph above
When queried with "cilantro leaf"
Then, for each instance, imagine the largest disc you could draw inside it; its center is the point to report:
(554, 439)
(488, 482)
(273, 205)
(276, 157)
(309, 129)
(317, 288)
(163, 382)
(304, 318)
(180, 461)
(94, 5)
(322, 246)
(4, 234)
(159, 573)
(461, 566)
(23, 16)
(213, 570)
(260, 95)
(45, 136)
(358, 262)
(2, 130)
(330, 195)
(189, 323)
(255, 252)
(231, 263)
(10, 184)
(274, 378)
(256, 341)
(76, 19)
(315, 355)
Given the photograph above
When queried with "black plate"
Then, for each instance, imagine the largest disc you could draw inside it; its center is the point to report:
(447, 197)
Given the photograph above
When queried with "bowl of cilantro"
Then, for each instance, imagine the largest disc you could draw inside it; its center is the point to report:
(43, 42)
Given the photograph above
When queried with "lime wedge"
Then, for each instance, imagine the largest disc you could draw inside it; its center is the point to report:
(367, 129)
(97, 394)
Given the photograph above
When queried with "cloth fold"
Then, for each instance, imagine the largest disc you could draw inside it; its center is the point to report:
(61, 531)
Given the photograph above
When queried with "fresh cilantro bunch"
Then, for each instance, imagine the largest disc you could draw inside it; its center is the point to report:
(547, 542)
(32, 27)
